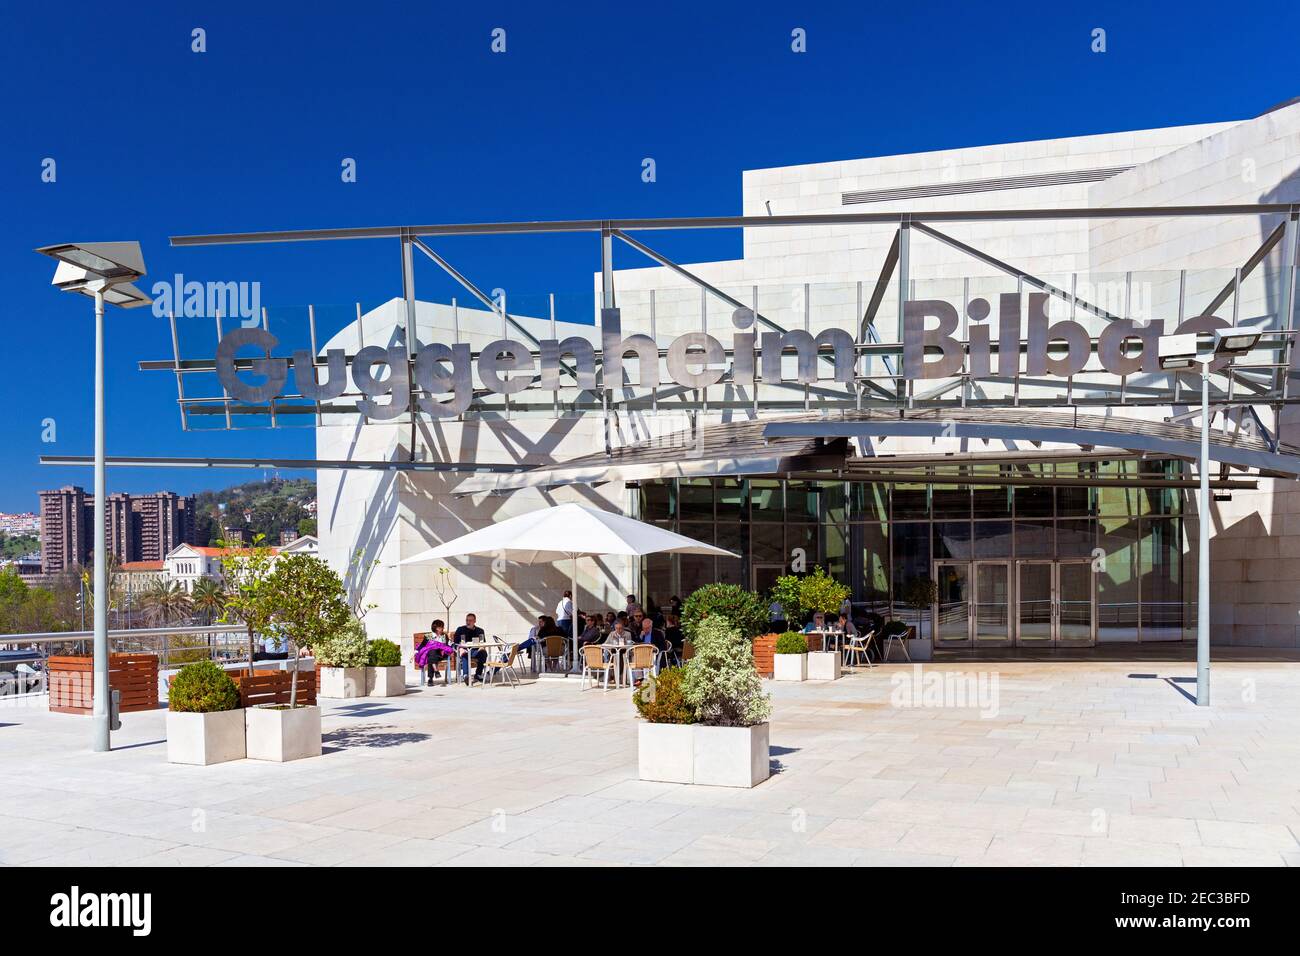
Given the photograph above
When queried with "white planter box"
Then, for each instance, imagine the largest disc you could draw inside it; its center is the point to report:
(789, 666)
(385, 681)
(342, 682)
(204, 739)
(666, 752)
(280, 734)
(707, 756)
(823, 665)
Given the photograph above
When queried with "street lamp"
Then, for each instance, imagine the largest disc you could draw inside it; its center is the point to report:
(1184, 351)
(103, 271)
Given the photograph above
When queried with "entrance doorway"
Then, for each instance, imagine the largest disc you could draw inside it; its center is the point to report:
(974, 606)
(1056, 603)
(763, 577)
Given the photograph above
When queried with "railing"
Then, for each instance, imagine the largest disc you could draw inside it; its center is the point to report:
(175, 646)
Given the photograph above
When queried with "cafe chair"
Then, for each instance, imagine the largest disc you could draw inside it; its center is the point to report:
(557, 649)
(593, 663)
(901, 637)
(641, 658)
(506, 668)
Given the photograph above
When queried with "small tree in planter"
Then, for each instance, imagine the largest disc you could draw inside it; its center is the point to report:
(790, 662)
(920, 594)
(744, 609)
(204, 722)
(725, 742)
(785, 592)
(385, 675)
(308, 603)
(248, 601)
(819, 592)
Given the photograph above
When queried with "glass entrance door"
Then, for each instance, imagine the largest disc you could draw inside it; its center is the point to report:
(991, 617)
(1055, 604)
(952, 625)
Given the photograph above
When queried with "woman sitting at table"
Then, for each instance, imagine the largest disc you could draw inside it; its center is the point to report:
(818, 623)
(432, 650)
(673, 632)
(847, 627)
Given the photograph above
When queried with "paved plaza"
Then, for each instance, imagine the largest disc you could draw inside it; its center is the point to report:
(1060, 764)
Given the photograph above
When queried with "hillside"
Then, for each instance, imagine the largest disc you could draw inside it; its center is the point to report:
(258, 507)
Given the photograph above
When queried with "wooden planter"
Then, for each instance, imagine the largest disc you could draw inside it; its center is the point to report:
(765, 647)
(273, 686)
(71, 681)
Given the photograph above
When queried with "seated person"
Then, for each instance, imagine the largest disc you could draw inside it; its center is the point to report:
(652, 635)
(619, 633)
(818, 623)
(432, 650)
(593, 633)
(470, 631)
(847, 627)
(673, 632)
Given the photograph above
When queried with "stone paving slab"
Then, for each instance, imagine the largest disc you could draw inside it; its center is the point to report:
(1067, 764)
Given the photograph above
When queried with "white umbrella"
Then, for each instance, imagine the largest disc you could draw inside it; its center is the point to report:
(568, 531)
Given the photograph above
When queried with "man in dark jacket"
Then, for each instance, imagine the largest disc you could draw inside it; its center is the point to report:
(470, 631)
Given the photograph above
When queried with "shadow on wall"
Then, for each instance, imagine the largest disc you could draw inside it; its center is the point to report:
(435, 506)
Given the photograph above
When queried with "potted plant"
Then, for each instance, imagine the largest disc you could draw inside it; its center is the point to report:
(385, 675)
(307, 604)
(342, 656)
(790, 662)
(920, 594)
(205, 724)
(744, 609)
(706, 722)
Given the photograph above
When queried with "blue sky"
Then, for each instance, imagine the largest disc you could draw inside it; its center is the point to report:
(152, 140)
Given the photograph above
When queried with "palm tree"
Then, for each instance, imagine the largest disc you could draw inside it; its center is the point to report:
(208, 599)
(164, 602)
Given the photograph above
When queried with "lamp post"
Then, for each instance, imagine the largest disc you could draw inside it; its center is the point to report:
(103, 271)
(1184, 352)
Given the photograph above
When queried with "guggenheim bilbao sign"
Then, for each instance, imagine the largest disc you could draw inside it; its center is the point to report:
(439, 377)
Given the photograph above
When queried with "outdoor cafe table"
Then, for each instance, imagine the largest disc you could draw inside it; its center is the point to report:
(466, 647)
(620, 657)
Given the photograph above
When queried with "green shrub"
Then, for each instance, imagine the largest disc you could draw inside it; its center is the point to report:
(821, 592)
(744, 609)
(383, 653)
(346, 647)
(721, 685)
(660, 700)
(792, 642)
(785, 592)
(202, 688)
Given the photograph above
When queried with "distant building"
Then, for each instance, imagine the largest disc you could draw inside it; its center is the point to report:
(187, 563)
(138, 527)
(138, 576)
(24, 523)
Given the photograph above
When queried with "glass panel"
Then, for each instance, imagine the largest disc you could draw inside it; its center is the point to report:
(1073, 502)
(1075, 602)
(950, 501)
(954, 606)
(1034, 501)
(1118, 502)
(871, 542)
(697, 571)
(801, 501)
(696, 499)
(834, 502)
(835, 551)
(766, 543)
(991, 501)
(952, 539)
(992, 539)
(699, 530)
(804, 537)
(1117, 586)
(1159, 560)
(1034, 539)
(1035, 603)
(656, 578)
(766, 500)
(1076, 539)
(654, 501)
(910, 544)
(993, 602)
(911, 502)
(870, 502)
(731, 498)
